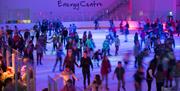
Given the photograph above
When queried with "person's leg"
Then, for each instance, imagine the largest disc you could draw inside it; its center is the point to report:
(135, 63)
(40, 58)
(123, 85)
(106, 78)
(32, 58)
(149, 84)
(84, 77)
(60, 64)
(98, 62)
(140, 86)
(119, 85)
(161, 84)
(176, 82)
(109, 52)
(144, 42)
(74, 81)
(170, 81)
(125, 37)
(157, 86)
(88, 77)
(37, 58)
(55, 65)
(117, 48)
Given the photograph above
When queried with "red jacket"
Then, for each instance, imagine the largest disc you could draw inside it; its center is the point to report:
(105, 67)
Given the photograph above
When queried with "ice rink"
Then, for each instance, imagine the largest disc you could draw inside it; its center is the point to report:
(42, 71)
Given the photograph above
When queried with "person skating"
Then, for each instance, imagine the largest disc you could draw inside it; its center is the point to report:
(126, 32)
(66, 75)
(117, 44)
(39, 50)
(96, 85)
(105, 70)
(85, 64)
(59, 57)
(160, 78)
(106, 47)
(70, 61)
(97, 56)
(138, 78)
(120, 72)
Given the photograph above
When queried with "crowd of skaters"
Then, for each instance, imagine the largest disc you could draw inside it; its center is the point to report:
(164, 67)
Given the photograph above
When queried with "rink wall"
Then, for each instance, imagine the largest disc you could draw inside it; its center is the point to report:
(80, 25)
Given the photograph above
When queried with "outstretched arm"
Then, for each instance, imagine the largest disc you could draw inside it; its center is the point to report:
(57, 76)
(73, 75)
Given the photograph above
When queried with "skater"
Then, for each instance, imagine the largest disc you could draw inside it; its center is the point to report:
(79, 47)
(90, 35)
(140, 58)
(84, 38)
(137, 50)
(138, 78)
(28, 52)
(96, 24)
(177, 76)
(120, 72)
(105, 70)
(136, 38)
(148, 43)
(97, 56)
(66, 75)
(106, 47)
(39, 50)
(70, 61)
(159, 77)
(126, 58)
(117, 44)
(143, 35)
(85, 64)
(121, 27)
(126, 32)
(150, 75)
(59, 57)
(55, 42)
(96, 85)
(65, 35)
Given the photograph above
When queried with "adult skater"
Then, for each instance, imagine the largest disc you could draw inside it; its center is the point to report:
(39, 50)
(85, 64)
(138, 78)
(96, 24)
(71, 62)
(126, 31)
(105, 70)
(59, 57)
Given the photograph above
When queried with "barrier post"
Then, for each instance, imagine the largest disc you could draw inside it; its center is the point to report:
(7, 58)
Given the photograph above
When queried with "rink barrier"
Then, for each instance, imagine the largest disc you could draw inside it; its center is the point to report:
(80, 25)
(17, 64)
(52, 84)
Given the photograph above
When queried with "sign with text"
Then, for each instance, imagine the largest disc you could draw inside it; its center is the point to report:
(80, 4)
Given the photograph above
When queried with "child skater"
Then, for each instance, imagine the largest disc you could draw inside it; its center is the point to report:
(120, 72)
